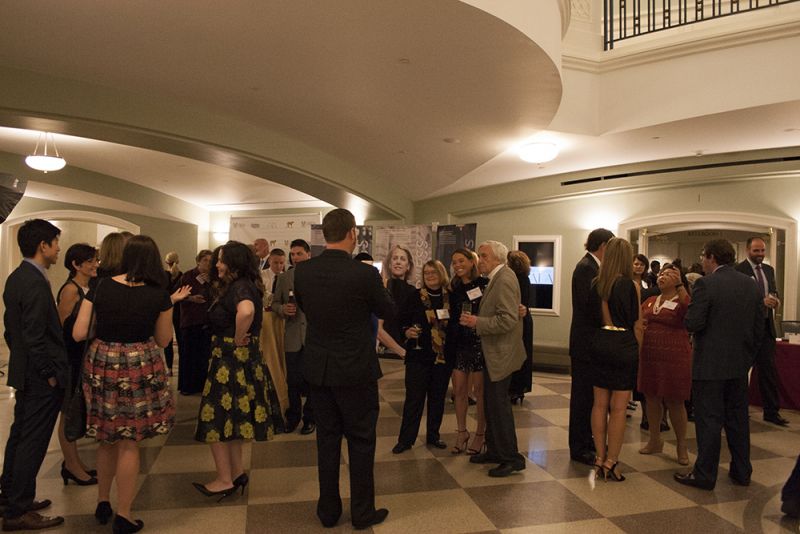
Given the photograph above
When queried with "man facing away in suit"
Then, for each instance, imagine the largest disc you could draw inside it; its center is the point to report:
(726, 318)
(500, 328)
(339, 296)
(284, 304)
(581, 445)
(764, 276)
(37, 369)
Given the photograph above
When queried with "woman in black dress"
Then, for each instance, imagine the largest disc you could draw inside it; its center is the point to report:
(194, 327)
(614, 302)
(239, 399)
(427, 372)
(395, 273)
(463, 348)
(522, 380)
(81, 261)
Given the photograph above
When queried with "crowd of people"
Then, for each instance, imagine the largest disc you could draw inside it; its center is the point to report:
(639, 330)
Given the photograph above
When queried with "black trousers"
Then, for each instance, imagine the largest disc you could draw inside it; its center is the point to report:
(580, 408)
(721, 404)
(501, 434)
(767, 374)
(791, 490)
(194, 356)
(423, 379)
(35, 414)
(297, 386)
(522, 379)
(352, 412)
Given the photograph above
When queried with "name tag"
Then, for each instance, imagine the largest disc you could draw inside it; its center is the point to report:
(474, 293)
(670, 305)
(442, 314)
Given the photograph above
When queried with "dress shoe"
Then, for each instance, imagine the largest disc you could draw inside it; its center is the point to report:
(377, 517)
(689, 480)
(739, 481)
(308, 428)
(400, 447)
(31, 521)
(776, 419)
(123, 526)
(439, 444)
(35, 506)
(484, 458)
(586, 457)
(67, 475)
(241, 481)
(506, 469)
(221, 493)
(103, 512)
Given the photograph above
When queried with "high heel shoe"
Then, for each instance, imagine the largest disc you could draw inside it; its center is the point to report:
(221, 493)
(472, 451)
(683, 454)
(460, 446)
(652, 449)
(103, 512)
(610, 472)
(241, 482)
(67, 475)
(123, 526)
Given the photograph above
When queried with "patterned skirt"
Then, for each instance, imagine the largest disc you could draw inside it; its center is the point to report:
(239, 397)
(127, 391)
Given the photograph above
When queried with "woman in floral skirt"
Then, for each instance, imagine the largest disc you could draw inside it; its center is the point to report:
(239, 400)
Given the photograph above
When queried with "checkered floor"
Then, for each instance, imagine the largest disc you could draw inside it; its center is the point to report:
(429, 490)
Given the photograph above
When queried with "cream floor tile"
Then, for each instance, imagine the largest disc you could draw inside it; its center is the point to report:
(383, 450)
(541, 389)
(72, 499)
(772, 471)
(542, 438)
(626, 498)
(191, 459)
(595, 526)
(557, 416)
(780, 442)
(435, 512)
(392, 395)
(732, 512)
(291, 484)
(471, 475)
(652, 462)
(194, 520)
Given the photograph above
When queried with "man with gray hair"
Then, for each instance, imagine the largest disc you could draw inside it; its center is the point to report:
(499, 325)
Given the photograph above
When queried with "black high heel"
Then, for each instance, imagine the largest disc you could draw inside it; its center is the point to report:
(123, 526)
(241, 482)
(610, 473)
(67, 475)
(221, 494)
(103, 512)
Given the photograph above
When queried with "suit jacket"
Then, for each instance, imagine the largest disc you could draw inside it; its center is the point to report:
(33, 331)
(295, 334)
(726, 318)
(339, 296)
(499, 325)
(582, 327)
(769, 274)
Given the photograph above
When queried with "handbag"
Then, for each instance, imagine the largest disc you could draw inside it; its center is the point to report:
(75, 410)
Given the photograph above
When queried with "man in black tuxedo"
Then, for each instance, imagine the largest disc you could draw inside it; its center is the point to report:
(726, 318)
(581, 445)
(37, 369)
(338, 296)
(764, 276)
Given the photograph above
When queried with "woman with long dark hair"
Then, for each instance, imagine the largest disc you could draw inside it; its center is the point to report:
(239, 400)
(125, 382)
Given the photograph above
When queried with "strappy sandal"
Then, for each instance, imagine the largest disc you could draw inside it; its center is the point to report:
(460, 446)
(472, 451)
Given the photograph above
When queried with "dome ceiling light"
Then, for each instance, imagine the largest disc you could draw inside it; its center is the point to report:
(538, 152)
(45, 162)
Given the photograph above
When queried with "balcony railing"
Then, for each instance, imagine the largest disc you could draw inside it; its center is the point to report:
(624, 19)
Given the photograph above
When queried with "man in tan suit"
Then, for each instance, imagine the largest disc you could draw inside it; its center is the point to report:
(500, 328)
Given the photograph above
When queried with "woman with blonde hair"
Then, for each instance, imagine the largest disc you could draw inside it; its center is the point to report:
(110, 256)
(397, 269)
(614, 301)
(174, 275)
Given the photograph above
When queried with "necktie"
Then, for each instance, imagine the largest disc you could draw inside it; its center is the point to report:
(760, 279)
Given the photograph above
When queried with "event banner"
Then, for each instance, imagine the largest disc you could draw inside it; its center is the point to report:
(278, 230)
(418, 239)
(364, 244)
(449, 237)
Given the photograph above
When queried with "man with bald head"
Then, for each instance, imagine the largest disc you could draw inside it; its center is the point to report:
(262, 252)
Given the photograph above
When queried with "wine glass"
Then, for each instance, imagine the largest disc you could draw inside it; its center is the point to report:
(418, 328)
(466, 308)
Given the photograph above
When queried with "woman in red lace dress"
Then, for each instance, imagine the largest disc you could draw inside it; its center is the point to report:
(665, 364)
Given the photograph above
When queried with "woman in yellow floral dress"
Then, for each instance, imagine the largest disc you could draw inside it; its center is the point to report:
(239, 400)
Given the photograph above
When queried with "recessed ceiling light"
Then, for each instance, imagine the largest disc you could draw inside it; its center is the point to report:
(792, 130)
(538, 152)
(452, 140)
(404, 61)
(698, 153)
(656, 137)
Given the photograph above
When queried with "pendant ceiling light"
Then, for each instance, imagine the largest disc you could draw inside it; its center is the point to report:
(44, 161)
(538, 152)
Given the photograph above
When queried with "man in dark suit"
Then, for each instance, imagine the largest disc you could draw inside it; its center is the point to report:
(764, 276)
(499, 325)
(581, 445)
(338, 296)
(37, 369)
(284, 304)
(726, 318)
